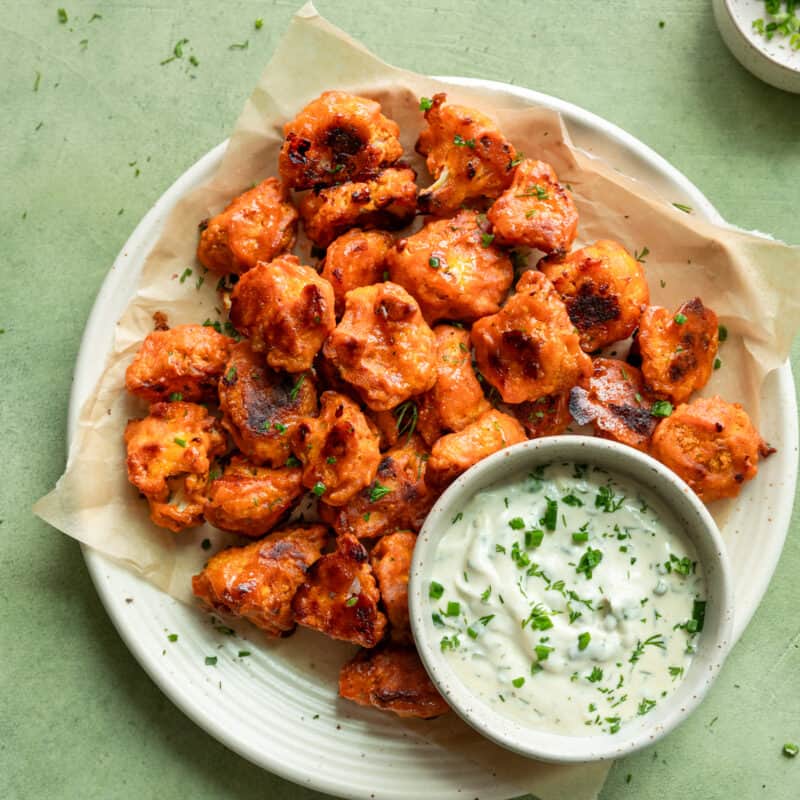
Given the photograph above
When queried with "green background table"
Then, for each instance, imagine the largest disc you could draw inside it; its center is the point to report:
(89, 146)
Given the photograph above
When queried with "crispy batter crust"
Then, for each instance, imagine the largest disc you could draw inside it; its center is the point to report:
(382, 346)
(251, 500)
(712, 445)
(614, 400)
(340, 597)
(186, 360)
(337, 137)
(258, 225)
(391, 678)
(604, 290)
(535, 211)
(391, 563)
(529, 348)
(339, 450)
(257, 582)
(466, 154)
(452, 268)
(262, 408)
(678, 349)
(287, 311)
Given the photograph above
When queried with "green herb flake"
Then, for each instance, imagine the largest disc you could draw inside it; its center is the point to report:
(457, 518)
(186, 273)
(640, 257)
(292, 461)
(319, 488)
(378, 491)
(589, 561)
(296, 388)
(543, 651)
(583, 640)
(243, 654)
(239, 45)
(572, 500)
(680, 206)
(578, 537)
(180, 442)
(173, 637)
(433, 262)
(790, 750)
(645, 706)
(722, 333)
(436, 590)
(518, 683)
(516, 524)
(453, 609)
(258, 24)
(425, 103)
(211, 661)
(596, 675)
(487, 239)
(63, 17)
(460, 141)
(717, 363)
(550, 518)
(676, 672)
(351, 601)
(534, 538)
(175, 397)
(680, 319)
(280, 427)
(661, 408)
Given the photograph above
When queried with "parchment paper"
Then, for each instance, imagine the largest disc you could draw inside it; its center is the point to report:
(750, 281)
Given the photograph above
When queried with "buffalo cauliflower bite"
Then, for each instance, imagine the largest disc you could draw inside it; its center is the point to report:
(712, 445)
(457, 452)
(465, 153)
(547, 416)
(169, 457)
(397, 498)
(261, 407)
(391, 563)
(452, 268)
(251, 500)
(287, 311)
(187, 361)
(535, 211)
(456, 399)
(613, 399)
(389, 200)
(391, 678)
(340, 597)
(338, 449)
(529, 349)
(604, 290)
(678, 349)
(356, 258)
(257, 226)
(258, 581)
(382, 346)
(337, 137)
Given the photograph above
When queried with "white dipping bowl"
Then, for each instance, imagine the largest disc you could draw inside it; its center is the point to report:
(699, 527)
(773, 61)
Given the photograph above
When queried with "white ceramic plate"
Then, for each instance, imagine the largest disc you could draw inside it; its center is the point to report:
(278, 707)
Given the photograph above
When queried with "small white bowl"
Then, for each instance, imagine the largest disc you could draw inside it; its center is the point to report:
(700, 528)
(772, 61)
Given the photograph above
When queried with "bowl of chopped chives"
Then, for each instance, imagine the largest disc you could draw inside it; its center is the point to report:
(764, 36)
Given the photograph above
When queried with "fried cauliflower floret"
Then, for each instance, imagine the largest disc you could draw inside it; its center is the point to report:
(613, 399)
(535, 211)
(391, 563)
(452, 268)
(256, 226)
(287, 311)
(547, 416)
(465, 153)
(391, 678)
(604, 290)
(456, 399)
(529, 349)
(356, 258)
(457, 452)
(389, 200)
(678, 350)
(251, 500)
(257, 582)
(397, 498)
(169, 457)
(382, 346)
(340, 597)
(337, 137)
(186, 360)
(261, 407)
(338, 449)
(712, 445)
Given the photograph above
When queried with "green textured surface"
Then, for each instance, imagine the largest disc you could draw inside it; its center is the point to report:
(79, 717)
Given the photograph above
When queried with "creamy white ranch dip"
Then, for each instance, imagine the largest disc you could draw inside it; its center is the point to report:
(567, 599)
